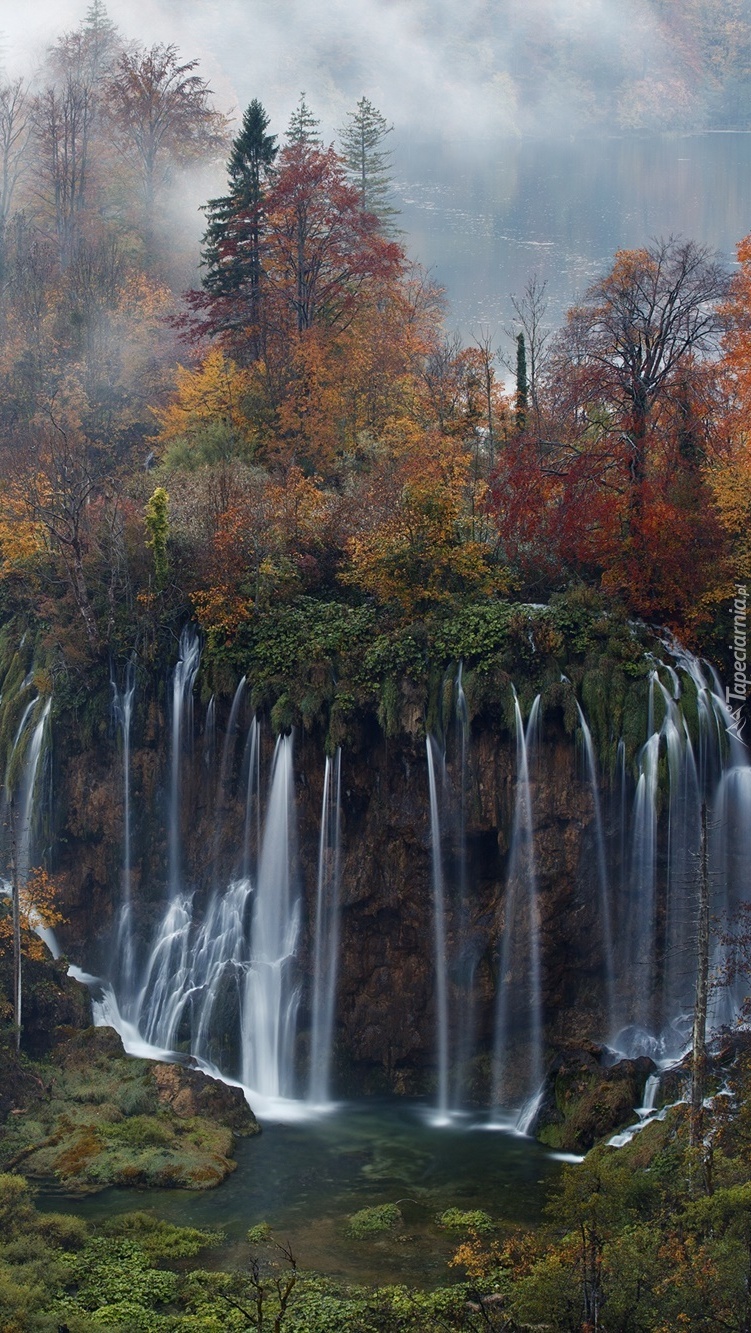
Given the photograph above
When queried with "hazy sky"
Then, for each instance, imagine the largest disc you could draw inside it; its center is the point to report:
(452, 65)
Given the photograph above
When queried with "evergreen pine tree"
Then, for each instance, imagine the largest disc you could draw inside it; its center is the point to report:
(231, 252)
(367, 163)
(303, 126)
(522, 384)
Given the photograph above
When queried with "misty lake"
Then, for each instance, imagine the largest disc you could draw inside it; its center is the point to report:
(483, 219)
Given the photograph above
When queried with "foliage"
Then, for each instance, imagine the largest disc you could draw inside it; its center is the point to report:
(373, 1221)
(157, 528)
(472, 1220)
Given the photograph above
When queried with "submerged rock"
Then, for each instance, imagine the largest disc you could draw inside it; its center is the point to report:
(583, 1100)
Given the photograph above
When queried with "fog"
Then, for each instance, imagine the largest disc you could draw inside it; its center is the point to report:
(463, 70)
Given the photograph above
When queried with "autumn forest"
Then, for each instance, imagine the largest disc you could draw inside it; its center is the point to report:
(267, 450)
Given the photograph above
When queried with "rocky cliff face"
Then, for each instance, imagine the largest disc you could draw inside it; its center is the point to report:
(385, 1027)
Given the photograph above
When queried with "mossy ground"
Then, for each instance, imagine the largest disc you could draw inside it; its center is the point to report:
(96, 1120)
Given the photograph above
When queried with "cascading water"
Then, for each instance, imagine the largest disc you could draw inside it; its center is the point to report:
(183, 680)
(326, 944)
(222, 981)
(27, 792)
(228, 750)
(521, 910)
(470, 943)
(602, 873)
(252, 822)
(271, 993)
(122, 708)
(440, 965)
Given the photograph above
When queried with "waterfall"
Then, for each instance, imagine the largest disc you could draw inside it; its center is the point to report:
(326, 945)
(122, 708)
(521, 908)
(228, 750)
(683, 824)
(602, 874)
(469, 946)
(183, 680)
(439, 937)
(252, 822)
(642, 906)
(271, 995)
(27, 790)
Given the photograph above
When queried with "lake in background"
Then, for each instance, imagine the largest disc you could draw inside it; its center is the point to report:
(484, 221)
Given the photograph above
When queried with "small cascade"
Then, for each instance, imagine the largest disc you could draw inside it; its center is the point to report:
(183, 680)
(225, 768)
(122, 709)
(209, 734)
(271, 994)
(521, 910)
(252, 821)
(27, 791)
(439, 934)
(469, 946)
(683, 824)
(326, 945)
(223, 986)
(602, 874)
(641, 924)
(159, 1006)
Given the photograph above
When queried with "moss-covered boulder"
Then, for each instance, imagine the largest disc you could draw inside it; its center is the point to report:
(106, 1119)
(189, 1092)
(584, 1099)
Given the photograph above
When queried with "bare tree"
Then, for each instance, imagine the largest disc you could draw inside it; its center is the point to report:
(161, 114)
(15, 129)
(63, 120)
(530, 310)
(639, 327)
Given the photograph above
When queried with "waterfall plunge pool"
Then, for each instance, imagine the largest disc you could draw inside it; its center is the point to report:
(307, 1179)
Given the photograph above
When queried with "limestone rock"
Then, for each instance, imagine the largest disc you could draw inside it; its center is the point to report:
(189, 1092)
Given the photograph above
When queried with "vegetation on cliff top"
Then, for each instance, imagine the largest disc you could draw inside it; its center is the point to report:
(313, 458)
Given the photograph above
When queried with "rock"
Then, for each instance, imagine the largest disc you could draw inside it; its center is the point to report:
(189, 1092)
(583, 1101)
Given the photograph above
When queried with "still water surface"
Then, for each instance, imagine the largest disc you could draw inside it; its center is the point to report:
(306, 1179)
(483, 219)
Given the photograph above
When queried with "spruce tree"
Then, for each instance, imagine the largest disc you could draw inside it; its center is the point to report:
(522, 385)
(367, 163)
(303, 126)
(231, 252)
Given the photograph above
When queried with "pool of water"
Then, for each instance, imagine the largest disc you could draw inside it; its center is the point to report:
(306, 1179)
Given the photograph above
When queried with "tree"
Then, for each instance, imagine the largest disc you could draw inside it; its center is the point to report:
(14, 136)
(321, 252)
(367, 164)
(530, 309)
(639, 326)
(157, 534)
(62, 120)
(160, 112)
(522, 385)
(232, 243)
(303, 126)
(34, 904)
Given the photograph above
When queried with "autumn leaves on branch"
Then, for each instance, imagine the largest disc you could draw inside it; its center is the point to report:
(301, 423)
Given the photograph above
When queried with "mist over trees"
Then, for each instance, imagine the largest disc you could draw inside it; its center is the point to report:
(307, 426)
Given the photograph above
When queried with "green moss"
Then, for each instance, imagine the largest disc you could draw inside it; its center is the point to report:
(374, 1221)
(474, 1219)
(94, 1131)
